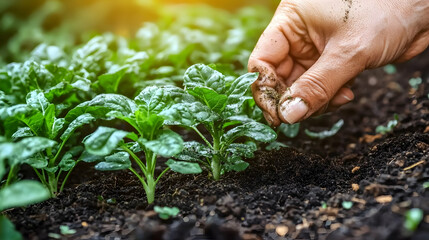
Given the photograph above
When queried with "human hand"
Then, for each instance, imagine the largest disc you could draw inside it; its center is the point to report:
(312, 49)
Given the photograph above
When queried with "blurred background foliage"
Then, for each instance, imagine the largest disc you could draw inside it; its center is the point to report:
(24, 24)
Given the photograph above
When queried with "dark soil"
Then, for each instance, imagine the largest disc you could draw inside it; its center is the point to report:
(292, 193)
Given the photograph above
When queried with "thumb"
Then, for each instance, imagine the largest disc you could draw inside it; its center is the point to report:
(313, 91)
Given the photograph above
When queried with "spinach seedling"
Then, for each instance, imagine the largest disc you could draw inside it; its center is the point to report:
(151, 137)
(41, 143)
(390, 125)
(413, 217)
(325, 134)
(166, 213)
(415, 82)
(216, 103)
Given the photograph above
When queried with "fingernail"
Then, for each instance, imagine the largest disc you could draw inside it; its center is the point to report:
(294, 110)
(347, 97)
(268, 118)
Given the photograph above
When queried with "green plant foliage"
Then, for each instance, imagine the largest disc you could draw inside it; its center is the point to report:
(7, 230)
(390, 126)
(347, 205)
(390, 69)
(288, 130)
(166, 213)
(415, 82)
(328, 133)
(217, 103)
(413, 217)
(151, 137)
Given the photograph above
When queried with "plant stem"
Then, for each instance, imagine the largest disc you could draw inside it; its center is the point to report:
(54, 159)
(52, 180)
(11, 175)
(136, 159)
(202, 136)
(160, 175)
(42, 178)
(215, 163)
(67, 177)
(150, 190)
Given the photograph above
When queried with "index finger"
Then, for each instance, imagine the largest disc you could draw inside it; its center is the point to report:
(270, 56)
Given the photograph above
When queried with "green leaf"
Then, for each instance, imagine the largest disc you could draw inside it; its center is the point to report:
(184, 167)
(200, 75)
(66, 230)
(215, 101)
(114, 162)
(22, 193)
(390, 69)
(104, 140)
(242, 149)
(31, 117)
(275, 146)
(89, 158)
(153, 100)
(240, 86)
(390, 126)
(37, 100)
(22, 132)
(237, 165)
(110, 81)
(67, 162)
(413, 217)
(189, 114)
(101, 105)
(258, 131)
(288, 130)
(325, 134)
(194, 152)
(39, 161)
(347, 205)
(415, 82)
(77, 123)
(31, 145)
(7, 230)
(166, 213)
(167, 144)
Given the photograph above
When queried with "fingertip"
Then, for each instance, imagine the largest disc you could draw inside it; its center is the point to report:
(293, 110)
(343, 96)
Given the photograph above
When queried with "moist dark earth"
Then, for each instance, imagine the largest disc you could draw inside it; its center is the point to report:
(301, 192)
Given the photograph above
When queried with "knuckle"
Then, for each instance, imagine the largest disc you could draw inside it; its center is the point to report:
(314, 87)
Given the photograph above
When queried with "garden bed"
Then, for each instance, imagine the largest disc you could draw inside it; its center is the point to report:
(355, 185)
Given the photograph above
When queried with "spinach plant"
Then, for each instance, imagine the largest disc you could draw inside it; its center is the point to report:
(41, 143)
(150, 137)
(216, 103)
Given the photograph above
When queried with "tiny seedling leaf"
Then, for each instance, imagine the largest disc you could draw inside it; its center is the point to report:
(325, 134)
(413, 217)
(166, 213)
(184, 167)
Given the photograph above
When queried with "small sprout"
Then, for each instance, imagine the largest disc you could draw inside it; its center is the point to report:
(54, 235)
(390, 125)
(66, 230)
(324, 205)
(111, 201)
(288, 130)
(413, 217)
(426, 185)
(390, 69)
(275, 146)
(166, 213)
(100, 198)
(347, 205)
(328, 133)
(415, 82)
